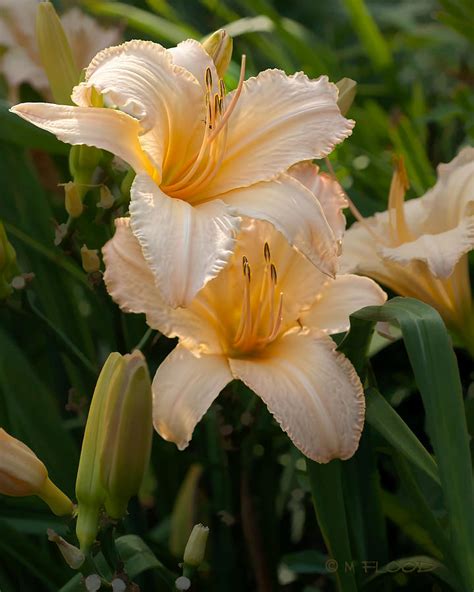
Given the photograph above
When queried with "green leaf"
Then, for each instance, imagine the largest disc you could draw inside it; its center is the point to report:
(435, 368)
(328, 499)
(383, 418)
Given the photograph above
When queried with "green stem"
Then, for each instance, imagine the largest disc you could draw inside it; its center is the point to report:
(109, 549)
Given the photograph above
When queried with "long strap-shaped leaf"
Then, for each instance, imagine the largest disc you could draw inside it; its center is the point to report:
(437, 376)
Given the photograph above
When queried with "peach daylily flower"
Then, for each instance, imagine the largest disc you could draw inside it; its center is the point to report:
(203, 158)
(20, 61)
(419, 248)
(266, 320)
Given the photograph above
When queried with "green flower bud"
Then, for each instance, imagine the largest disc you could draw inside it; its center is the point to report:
(128, 434)
(89, 490)
(347, 92)
(219, 46)
(56, 55)
(83, 161)
(196, 546)
(22, 474)
(8, 265)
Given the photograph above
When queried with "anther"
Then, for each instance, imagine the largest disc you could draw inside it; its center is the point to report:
(216, 104)
(273, 274)
(266, 252)
(221, 88)
(208, 78)
(245, 262)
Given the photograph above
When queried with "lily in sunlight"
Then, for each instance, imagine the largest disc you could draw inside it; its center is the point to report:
(20, 60)
(266, 320)
(419, 248)
(203, 157)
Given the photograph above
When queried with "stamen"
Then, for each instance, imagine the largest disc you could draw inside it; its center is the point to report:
(208, 78)
(221, 88)
(278, 320)
(266, 252)
(233, 103)
(273, 274)
(217, 108)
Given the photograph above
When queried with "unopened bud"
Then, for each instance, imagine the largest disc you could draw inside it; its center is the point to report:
(56, 55)
(90, 259)
(128, 433)
(73, 556)
(83, 161)
(107, 199)
(196, 546)
(72, 200)
(22, 474)
(219, 46)
(8, 266)
(89, 490)
(347, 92)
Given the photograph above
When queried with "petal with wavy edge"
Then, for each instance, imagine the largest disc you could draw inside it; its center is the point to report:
(279, 120)
(328, 191)
(338, 299)
(131, 283)
(191, 55)
(103, 128)
(295, 212)
(440, 251)
(313, 392)
(140, 79)
(184, 388)
(185, 246)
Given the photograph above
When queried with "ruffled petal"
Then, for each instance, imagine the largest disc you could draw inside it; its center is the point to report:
(440, 252)
(328, 191)
(103, 128)
(131, 283)
(191, 55)
(338, 299)
(184, 388)
(295, 212)
(279, 120)
(185, 246)
(312, 390)
(139, 78)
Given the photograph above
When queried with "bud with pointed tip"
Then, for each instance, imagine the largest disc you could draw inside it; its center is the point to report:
(347, 92)
(219, 46)
(56, 55)
(89, 490)
(22, 474)
(128, 433)
(73, 556)
(90, 259)
(196, 546)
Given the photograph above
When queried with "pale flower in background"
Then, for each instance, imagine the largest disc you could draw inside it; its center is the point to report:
(203, 157)
(419, 248)
(267, 320)
(20, 61)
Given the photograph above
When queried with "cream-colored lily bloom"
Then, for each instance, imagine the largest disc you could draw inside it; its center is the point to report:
(419, 248)
(203, 157)
(266, 320)
(20, 61)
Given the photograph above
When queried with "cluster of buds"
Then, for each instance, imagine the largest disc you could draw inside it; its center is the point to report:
(117, 443)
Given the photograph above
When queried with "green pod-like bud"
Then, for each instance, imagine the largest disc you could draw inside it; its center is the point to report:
(55, 53)
(128, 434)
(89, 490)
(196, 546)
(347, 92)
(8, 265)
(83, 161)
(219, 46)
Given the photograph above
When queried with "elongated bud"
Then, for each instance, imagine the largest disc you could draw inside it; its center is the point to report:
(89, 490)
(8, 266)
(196, 546)
(73, 556)
(90, 259)
(347, 92)
(56, 55)
(22, 473)
(219, 47)
(73, 199)
(83, 161)
(128, 434)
